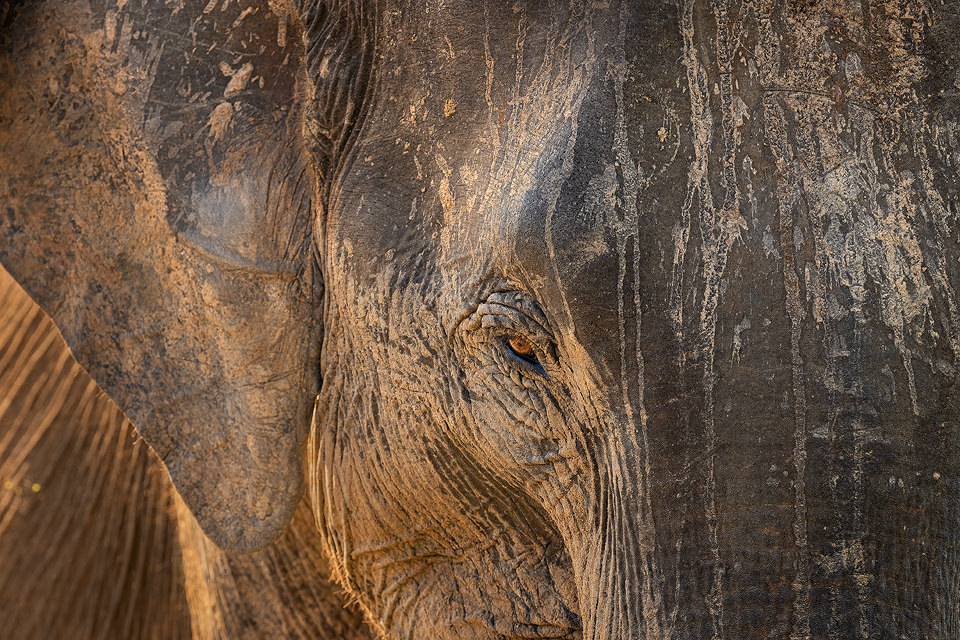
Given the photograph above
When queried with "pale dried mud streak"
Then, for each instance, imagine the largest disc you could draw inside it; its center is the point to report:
(786, 202)
(787, 191)
(653, 618)
(488, 63)
(718, 230)
(797, 101)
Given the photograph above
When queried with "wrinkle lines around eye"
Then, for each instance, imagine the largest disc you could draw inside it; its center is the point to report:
(522, 407)
(495, 327)
(518, 380)
(497, 312)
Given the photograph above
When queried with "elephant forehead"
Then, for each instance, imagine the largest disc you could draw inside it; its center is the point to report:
(598, 156)
(513, 139)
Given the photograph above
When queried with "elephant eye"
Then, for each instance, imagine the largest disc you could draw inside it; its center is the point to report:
(523, 349)
(513, 325)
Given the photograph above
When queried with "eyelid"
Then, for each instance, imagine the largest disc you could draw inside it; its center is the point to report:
(507, 322)
(514, 307)
(497, 316)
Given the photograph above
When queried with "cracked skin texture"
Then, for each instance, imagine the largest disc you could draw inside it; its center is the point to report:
(729, 232)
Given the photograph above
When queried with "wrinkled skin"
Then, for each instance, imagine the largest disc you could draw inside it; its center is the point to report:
(93, 540)
(633, 320)
(87, 530)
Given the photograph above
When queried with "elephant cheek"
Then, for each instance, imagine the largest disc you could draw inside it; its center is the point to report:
(613, 549)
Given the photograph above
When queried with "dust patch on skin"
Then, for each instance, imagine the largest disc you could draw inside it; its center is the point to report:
(445, 193)
(592, 246)
(841, 165)
(738, 330)
(881, 248)
(238, 79)
(865, 221)
(219, 121)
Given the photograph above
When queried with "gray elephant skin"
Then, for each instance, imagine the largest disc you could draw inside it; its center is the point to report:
(597, 320)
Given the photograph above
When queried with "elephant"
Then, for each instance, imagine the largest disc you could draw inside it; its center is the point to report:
(66, 458)
(591, 319)
(121, 556)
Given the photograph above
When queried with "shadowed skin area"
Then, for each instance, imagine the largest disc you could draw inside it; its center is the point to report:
(633, 320)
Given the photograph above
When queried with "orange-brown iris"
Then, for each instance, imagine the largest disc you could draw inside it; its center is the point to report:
(521, 346)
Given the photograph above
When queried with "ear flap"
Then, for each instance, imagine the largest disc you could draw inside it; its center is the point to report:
(155, 202)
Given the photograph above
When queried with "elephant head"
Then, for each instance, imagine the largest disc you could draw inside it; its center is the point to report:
(587, 319)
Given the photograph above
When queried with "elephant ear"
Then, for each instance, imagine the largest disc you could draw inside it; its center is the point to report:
(155, 201)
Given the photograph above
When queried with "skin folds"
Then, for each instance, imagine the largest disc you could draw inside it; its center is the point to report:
(596, 320)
